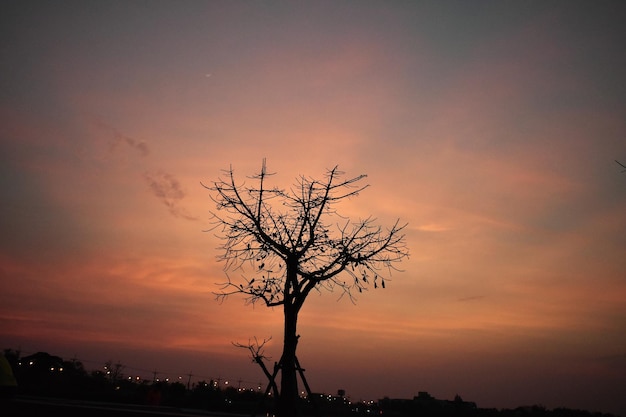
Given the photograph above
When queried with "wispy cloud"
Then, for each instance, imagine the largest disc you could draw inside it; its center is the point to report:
(472, 298)
(117, 139)
(169, 191)
(432, 227)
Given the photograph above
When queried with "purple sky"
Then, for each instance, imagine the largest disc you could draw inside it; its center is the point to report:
(492, 128)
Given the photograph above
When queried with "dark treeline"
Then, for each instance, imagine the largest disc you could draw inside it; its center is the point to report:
(45, 375)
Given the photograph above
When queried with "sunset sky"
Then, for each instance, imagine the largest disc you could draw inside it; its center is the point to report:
(491, 127)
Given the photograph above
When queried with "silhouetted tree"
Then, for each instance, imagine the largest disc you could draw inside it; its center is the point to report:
(114, 371)
(257, 355)
(295, 242)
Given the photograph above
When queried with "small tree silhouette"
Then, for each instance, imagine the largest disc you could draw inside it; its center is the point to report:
(257, 355)
(295, 242)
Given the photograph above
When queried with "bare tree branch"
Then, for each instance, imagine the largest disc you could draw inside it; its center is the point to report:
(256, 352)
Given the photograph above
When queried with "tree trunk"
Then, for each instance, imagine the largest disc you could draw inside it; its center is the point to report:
(287, 402)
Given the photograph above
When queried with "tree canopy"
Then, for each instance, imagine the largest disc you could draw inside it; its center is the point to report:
(267, 228)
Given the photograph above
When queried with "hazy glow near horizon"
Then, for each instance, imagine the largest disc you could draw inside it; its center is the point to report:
(492, 128)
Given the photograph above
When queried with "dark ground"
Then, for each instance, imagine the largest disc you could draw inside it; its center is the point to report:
(23, 406)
